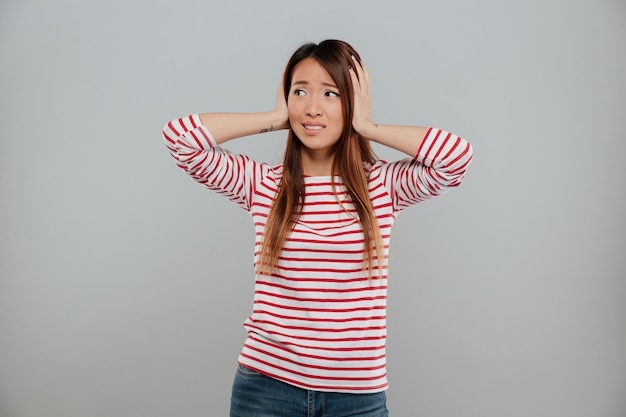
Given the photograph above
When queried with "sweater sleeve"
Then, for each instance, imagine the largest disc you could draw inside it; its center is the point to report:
(439, 165)
(196, 152)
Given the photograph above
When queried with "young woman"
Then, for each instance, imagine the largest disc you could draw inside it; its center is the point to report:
(316, 335)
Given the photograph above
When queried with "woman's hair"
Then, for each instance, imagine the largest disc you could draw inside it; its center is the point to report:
(352, 154)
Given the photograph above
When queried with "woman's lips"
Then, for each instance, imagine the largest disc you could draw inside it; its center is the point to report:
(313, 127)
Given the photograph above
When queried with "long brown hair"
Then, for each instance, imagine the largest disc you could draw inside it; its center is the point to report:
(352, 151)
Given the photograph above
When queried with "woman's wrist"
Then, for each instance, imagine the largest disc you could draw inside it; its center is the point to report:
(275, 120)
(367, 129)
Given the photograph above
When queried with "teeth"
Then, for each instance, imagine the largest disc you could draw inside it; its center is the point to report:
(312, 127)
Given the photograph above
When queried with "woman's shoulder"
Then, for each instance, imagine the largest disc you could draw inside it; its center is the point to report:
(275, 170)
(371, 168)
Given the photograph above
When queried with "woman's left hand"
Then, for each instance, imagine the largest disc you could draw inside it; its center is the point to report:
(362, 112)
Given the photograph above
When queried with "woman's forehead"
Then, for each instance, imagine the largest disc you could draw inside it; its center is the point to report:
(309, 71)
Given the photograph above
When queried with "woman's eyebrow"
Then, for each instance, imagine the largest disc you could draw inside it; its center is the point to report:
(307, 83)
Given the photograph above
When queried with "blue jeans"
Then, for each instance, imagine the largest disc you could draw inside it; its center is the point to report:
(257, 395)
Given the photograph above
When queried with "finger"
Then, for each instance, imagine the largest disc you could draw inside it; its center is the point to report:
(363, 74)
(358, 81)
(355, 79)
(356, 65)
(361, 68)
(366, 73)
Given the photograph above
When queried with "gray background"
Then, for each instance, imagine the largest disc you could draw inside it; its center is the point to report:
(124, 284)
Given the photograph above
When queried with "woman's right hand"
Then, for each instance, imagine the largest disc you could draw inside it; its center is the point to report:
(281, 109)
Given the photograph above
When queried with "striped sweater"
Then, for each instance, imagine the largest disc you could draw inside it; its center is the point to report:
(317, 321)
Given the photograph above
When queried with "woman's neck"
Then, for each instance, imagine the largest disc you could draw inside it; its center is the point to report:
(317, 164)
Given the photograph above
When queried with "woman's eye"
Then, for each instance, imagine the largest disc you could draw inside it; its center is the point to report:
(332, 94)
(298, 92)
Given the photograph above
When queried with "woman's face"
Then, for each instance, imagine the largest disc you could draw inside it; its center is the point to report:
(314, 108)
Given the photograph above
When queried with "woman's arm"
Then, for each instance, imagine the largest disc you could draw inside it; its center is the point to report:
(227, 126)
(439, 159)
(196, 152)
(406, 139)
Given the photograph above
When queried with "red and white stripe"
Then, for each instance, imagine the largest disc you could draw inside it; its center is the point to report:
(317, 321)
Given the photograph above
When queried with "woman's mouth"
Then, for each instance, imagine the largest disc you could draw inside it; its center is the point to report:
(313, 127)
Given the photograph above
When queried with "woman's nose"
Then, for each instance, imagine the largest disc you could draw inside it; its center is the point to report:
(313, 107)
